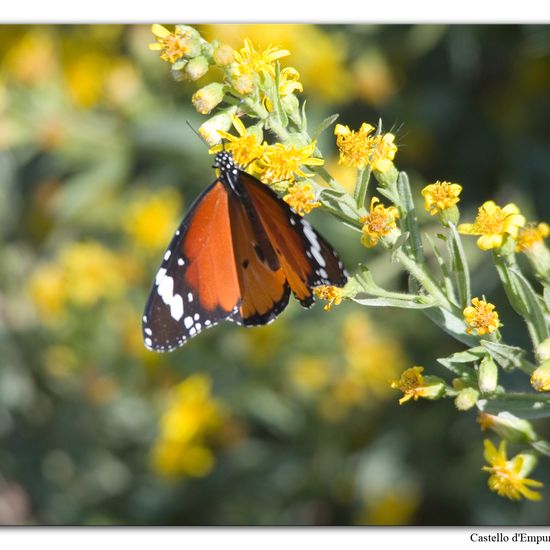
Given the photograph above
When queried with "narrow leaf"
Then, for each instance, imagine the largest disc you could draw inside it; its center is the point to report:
(329, 121)
(508, 357)
(523, 408)
(409, 220)
(459, 266)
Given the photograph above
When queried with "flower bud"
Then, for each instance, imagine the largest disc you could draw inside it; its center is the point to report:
(196, 68)
(540, 379)
(529, 461)
(451, 215)
(223, 55)
(385, 173)
(243, 84)
(209, 131)
(466, 399)
(543, 351)
(508, 426)
(487, 375)
(208, 97)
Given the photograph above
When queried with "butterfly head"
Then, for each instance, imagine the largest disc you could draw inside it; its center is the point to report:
(224, 162)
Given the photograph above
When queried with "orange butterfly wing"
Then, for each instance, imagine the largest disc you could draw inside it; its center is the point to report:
(307, 259)
(197, 284)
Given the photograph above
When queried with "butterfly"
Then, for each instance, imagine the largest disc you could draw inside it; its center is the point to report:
(236, 256)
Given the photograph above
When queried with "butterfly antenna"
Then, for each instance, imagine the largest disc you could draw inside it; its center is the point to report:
(196, 133)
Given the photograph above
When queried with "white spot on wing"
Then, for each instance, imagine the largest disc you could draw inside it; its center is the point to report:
(148, 331)
(188, 322)
(314, 241)
(148, 342)
(180, 261)
(160, 275)
(189, 296)
(167, 255)
(176, 307)
(196, 316)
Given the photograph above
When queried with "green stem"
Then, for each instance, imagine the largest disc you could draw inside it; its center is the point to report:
(340, 215)
(424, 279)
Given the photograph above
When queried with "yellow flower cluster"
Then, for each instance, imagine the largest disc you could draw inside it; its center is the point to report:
(83, 274)
(192, 418)
(273, 164)
(332, 294)
(414, 385)
(530, 237)
(361, 149)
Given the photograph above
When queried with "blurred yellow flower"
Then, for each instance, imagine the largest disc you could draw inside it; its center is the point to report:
(481, 315)
(31, 59)
(440, 196)
(82, 274)
(92, 272)
(301, 198)
(309, 374)
(395, 507)
(379, 222)
(193, 416)
(47, 290)
(85, 76)
(366, 349)
(508, 477)
(373, 78)
(285, 162)
(531, 236)
(151, 218)
(493, 223)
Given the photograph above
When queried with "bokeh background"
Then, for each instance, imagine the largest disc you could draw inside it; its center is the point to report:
(290, 424)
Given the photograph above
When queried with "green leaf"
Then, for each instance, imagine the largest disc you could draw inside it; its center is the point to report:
(523, 408)
(546, 296)
(543, 447)
(535, 313)
(416, 303)
(446, 276)
(452, 325)
(409, 220)
(457, 361)
(459, 266)
(276, 99)
(342, 205)
(508, 357)
(329, 121)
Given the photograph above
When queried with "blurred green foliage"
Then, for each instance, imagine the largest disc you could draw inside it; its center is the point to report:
(294, 423)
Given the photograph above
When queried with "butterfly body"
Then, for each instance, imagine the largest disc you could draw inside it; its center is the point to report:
(236, 256)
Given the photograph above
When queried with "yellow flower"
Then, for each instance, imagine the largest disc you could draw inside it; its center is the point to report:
(540, 379)
(332, 294)
(360, 149)
(414, 385)
(508, 476)
(245, 148)
(481, 316)
(252, 62)
(440, 196)
(47, 290)
(301, 197)
(379, 222)
(530, 236)
(86, 75)
(187, 425)
(289, 82)
(151, 218)
(493, 224)
(284, 162)
(173, 45)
